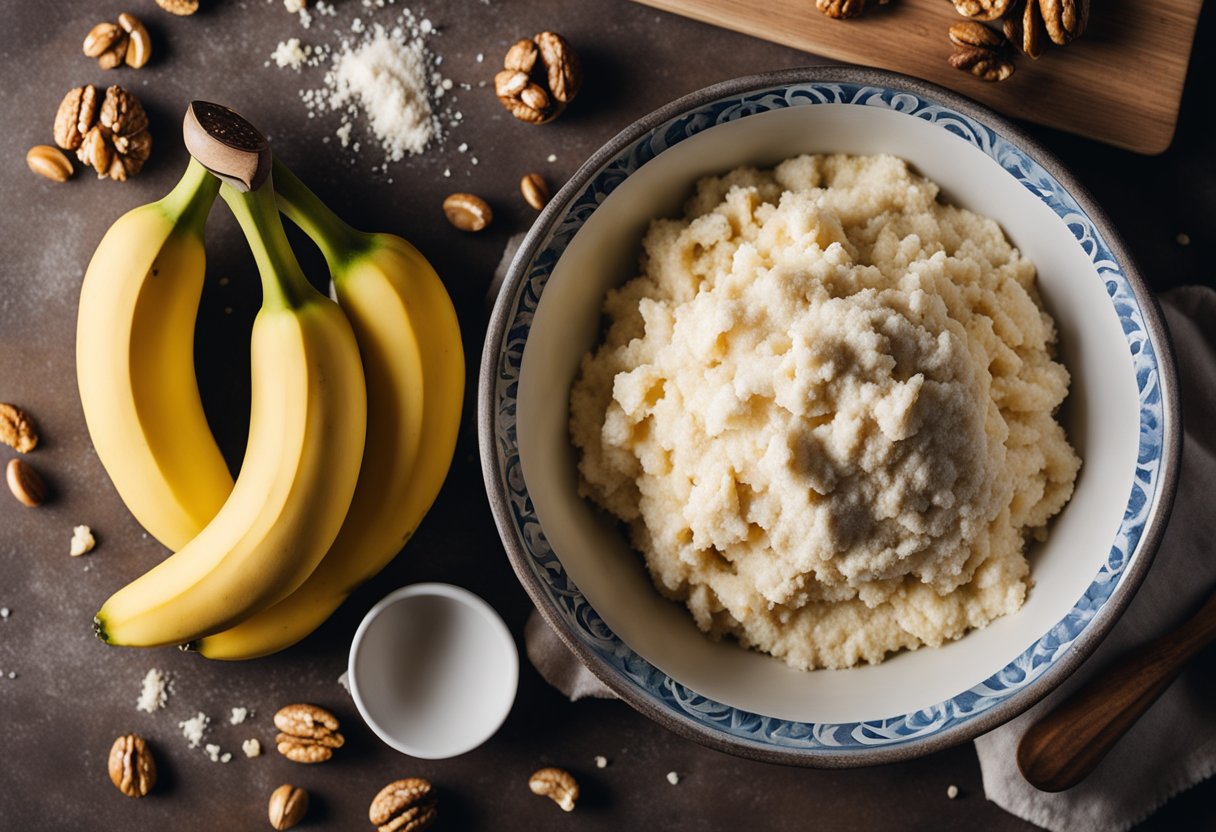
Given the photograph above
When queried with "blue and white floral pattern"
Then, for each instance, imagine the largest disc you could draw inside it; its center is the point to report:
(756, 730)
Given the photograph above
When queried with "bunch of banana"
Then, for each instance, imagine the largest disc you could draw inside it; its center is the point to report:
(330, 489)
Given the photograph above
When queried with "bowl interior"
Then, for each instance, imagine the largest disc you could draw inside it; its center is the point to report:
(433, 670)
(1101, 416)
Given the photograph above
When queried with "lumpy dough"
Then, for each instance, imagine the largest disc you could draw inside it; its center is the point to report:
(826, 411)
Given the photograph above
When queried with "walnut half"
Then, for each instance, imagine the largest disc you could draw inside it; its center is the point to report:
(540, 77)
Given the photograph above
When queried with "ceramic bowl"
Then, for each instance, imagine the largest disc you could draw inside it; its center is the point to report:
(433, 670)
(1121, 416)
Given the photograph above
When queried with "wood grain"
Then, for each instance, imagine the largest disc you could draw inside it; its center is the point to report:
(1063, 747)
(1120, 83)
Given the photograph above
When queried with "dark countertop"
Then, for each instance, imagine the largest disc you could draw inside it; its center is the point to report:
(72, 695)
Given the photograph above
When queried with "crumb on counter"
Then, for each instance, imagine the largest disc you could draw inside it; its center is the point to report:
(155, 691)
(82, 541)
(1183, 239)
(5, 612)
(252, 747)
(952, 791)
(239, 715)
(673, 778)
(601, 761)
(194, 728)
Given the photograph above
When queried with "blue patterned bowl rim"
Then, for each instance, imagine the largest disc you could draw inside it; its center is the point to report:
(997, 699)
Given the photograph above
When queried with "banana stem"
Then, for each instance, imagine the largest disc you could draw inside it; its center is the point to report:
(283, 281)
(338, 241)
(189, 203)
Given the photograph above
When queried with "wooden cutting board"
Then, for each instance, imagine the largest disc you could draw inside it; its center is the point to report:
(1120, 83)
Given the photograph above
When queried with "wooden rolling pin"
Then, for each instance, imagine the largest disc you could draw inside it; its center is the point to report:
(1062, 748)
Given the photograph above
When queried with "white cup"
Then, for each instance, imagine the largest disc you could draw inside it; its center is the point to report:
(433, 670)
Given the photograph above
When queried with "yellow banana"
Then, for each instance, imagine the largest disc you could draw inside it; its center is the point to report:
(135, 363)
(306, 435)
(409, 338)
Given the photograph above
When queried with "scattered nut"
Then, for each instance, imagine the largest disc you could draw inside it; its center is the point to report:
(132, 768)
(25, 483)
(534, 190)
(139, 49)
(467, 212)
(95, 150)
(982, 63)
(112, 137)
(101, 38)
(1025, 31)
(179, 7)
(308, 734)
(50, 162)
(522, 55)
(557, 784)
(115, 55)
(982, 9)
(407, 805)
(970, 33)
(841, 9)
(539, 78)
(1065, 20)
(288, 805)
(76, 115)
(17, 429)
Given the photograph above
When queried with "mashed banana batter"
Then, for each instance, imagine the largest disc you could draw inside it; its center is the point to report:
(825, 409)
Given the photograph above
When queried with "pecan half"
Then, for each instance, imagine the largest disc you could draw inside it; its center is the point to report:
(977, 35)
(1064, 20)
(287, 806)
(308, 734)
(982, 9)
(132, 769)
(841, 9)
(982, 63)
(407, 805)
(1025, 29)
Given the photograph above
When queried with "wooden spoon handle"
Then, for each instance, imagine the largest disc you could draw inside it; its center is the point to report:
(1063, 747)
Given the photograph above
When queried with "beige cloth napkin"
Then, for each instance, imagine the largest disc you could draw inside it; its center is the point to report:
(1173, 746)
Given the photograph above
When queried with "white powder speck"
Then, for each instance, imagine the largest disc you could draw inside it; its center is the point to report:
(952, 791)
(194, 728)
(291, 53)
(426, 27)
(252, 748)
(12, 674)
(480, 57)
(213, 751)
(155, 691)
(601, 761)
(673, 778)
(225, 757)
(473, 160)
(82, 541)
(239, 715)
(343, 133)
(447, 172)
(552, 157)
(5, 612)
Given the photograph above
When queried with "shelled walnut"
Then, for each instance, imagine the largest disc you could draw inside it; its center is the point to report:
(539, 79)
(111, 136)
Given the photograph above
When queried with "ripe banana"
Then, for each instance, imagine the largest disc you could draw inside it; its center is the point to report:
(409, 338)
(135, 363)
(306, 435)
